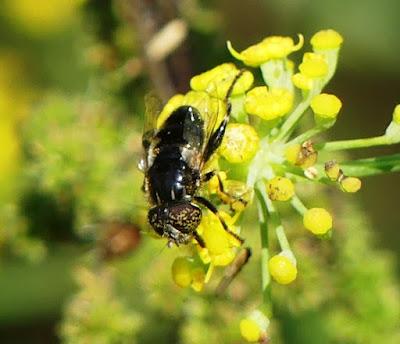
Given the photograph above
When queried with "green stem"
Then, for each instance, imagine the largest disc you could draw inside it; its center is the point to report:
(291, 121)
(372, 166)
(275, 221)
(264, 233)
(307, 135)
(354, 144)
(298, 205)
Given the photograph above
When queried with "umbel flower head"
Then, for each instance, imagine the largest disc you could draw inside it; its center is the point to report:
(274, 154)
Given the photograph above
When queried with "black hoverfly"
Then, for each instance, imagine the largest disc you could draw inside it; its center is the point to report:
(175, 156)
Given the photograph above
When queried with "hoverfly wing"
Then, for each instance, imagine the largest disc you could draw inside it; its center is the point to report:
(213, 115)
(153, 107)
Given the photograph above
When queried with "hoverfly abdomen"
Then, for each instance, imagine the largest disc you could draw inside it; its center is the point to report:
(171, 175)
(168, 176)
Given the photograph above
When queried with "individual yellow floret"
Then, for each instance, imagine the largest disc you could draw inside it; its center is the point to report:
(282, 269)
(254, 326)
(240, 143)
(326, 105)
(326, 40)
(302, 81)
(317, 220)
(218, 80)
(186, 273)
(268, 104)
(250, 330)
(396, 114)
(274, 47)
(292, 153)
(350, 184)
(303, 155)
(280, 189)
(182, 271)
(313, 66)
(332, 170)
(198, 279)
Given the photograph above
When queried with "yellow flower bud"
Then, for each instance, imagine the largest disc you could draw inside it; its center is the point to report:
(282, 269)
(240, 143)
(274, 47)
(268, 104)
(302, 81)
(307, 156)
(218, 80)
(350, 184)
(280, 189)
(250, 330)
(292, 153)
(186, 273)
(254, 327)
(396, 114)
(313, 66)
(317, 220)
(198, 279)
(326, 105)
(182, 271)
(332, 170)
(326, 40)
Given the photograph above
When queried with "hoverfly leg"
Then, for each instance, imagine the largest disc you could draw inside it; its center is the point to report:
(216, 138)
(199, 239)
(224, 195)
(214, 210)
(207, 176)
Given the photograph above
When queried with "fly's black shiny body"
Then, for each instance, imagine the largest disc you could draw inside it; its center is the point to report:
(172, 176)
(175, 156)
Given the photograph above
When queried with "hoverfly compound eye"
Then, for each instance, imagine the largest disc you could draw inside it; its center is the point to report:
(185, 217)
(182, 217)
(157, 219)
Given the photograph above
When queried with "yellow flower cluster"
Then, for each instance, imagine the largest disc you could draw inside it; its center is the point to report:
(275, 47)
(217, 81)
(209, 90)
(268, 104)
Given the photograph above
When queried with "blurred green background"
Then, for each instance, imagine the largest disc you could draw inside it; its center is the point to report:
(72, 82)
